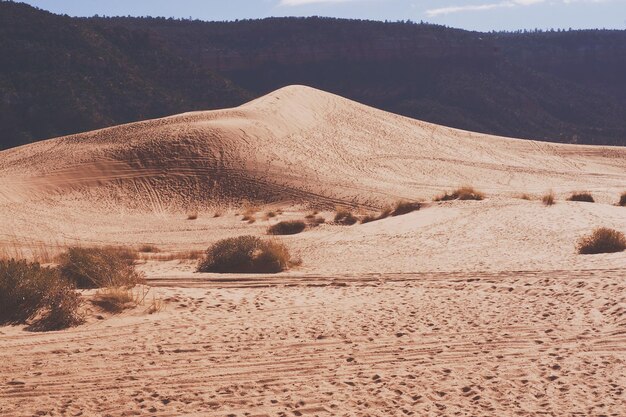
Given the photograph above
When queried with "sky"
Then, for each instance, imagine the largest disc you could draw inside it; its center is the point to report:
(483, 15)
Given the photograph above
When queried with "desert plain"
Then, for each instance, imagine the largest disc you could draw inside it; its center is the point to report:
(461, 308)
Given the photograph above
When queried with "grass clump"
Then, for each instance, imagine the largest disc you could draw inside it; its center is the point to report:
(100, 267)
(368, 218)
(602, 240)
(622, 200)
(463, 193)
(31, 293)
(548, 199)
(245, 254)
(345, 218)
(581, 196)
(147, 248)
(192, 216)
(405, 207)
(115, 300)
(289, 227)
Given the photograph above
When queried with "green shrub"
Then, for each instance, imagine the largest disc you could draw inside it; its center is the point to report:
(100, 267)
(31, 293)
(290, 227)
(345, 218)
(405, 207)
(463, 193)
(245, 254)
(583, 197)
(602, 240)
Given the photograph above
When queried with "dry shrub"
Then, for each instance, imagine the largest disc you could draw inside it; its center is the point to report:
(115, 300)
(368, 218)
(314, 220)
(31, 293)
(345, 218)
(245, 254)
(289, 227)
(548, 199)
(463, 193)
(147, 248)
(192, 216)
(405, 207)
(581, 196)
(602, 240)
(270, 214)
(217, 214)
(622, 200)
(524, 196)
(100, 267)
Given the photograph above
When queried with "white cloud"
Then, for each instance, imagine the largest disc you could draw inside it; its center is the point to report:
(501, 4)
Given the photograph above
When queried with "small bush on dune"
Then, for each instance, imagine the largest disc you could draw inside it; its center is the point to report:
(245, 254)
(372, 218)
(602, 240)
(548, 199)
(290, 227)
(524, 196)
(583, 197)
(115, 300)
(463, 193)
(345, 218)
(405, 207)
(192, 216)
(622, 200)
(100, 267)
(29, 292)
(148, 249)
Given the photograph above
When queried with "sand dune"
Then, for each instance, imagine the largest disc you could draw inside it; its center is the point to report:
(461, 308)
(297, 144)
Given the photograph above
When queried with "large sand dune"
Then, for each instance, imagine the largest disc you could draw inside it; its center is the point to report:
(296, 144)
(478, 308)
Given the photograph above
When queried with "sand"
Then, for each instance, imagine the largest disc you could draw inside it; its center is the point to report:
(461, 308)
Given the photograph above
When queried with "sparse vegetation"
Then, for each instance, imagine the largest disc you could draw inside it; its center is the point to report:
(192, 216)
(622, 200)
(289, 227)
(314, 220)
(270, 214)
(100, 267)
(31, 293)
(405, 207)
(602, 240)
(462, 193)
(115, 300)
(524, 196)
(548, 199)
(245, 254)
(581, 196)
(345, 218)
(368, 218)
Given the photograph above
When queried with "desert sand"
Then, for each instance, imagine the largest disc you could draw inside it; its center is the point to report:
(461, 308)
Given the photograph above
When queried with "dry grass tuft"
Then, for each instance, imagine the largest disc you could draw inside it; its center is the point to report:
(270, 214)
(245, 254)
(405, 207)
(32, 294)
(345, 218)
(192, 216)
(147, 248)
(602, 240)
(524, 196)
(289, 227)
(462, 193)
(581, 196)
(115, 300)
(368, 218)
(548, 199)
(622, 200)
(100, 267)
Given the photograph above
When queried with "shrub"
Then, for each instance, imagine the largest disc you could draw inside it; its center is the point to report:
(31, 292)
(148, 249)
(622, 200)
(290, 227)
(100, 267)
(372, 218)
(345, 218)
(405, 207)
(245, 254)
(192, 216)
(115, 300)
(525, 196)
(270, 214)
(315, 221)
(548, 199)
(602, 240)
(463, 193)
(584, 197)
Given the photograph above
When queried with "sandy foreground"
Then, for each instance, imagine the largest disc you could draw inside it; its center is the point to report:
(468, 308)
